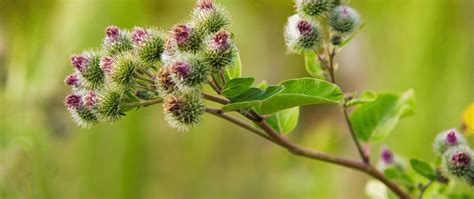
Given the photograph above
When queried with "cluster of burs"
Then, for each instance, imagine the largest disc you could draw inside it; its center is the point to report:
(457, 158)
(318, 22)
(143, 65)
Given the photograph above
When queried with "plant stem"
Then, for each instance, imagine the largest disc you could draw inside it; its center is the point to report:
(424, 188)
(142, 103)
(221, 114)
(215, 99)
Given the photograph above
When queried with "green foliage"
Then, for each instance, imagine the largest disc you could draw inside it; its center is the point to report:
(251, 98)
(373, 121)
(237, 86)
(312, 65)
(364, 97)
(285, 121)
(423, 168)
(300, 92)
(398, 175)
(235, 70)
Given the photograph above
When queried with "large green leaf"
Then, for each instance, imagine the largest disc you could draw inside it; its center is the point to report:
(237, 86)
(423, 168)
(373, 121)
(312, 64)
(251, 98)
(303, 91)
(284, 121)
(235, 70)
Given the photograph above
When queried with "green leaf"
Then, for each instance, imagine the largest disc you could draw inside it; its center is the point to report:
(423, 168)
(312, 64)
(303, 91)
(284, 121)
(364, 97)
(394, 173)
(235, 70)
(373, 121)
(251, 97)
(237, 86)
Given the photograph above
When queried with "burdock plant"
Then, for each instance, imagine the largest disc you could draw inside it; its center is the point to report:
(144, 66)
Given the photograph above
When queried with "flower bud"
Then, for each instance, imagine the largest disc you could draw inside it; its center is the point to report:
(123, 71)
(344, 19)
(108, 105)
(117, 41)
(448, 139)
(92, 75)
(150, 45)
(71, 80)
(189, 73)
(186, 38)
(208, 17)
(457, 161)
(165, 81)
(313, 8)
(301, 34)
(183, 112)
(220, 50)
(387, 156)
(81, 115)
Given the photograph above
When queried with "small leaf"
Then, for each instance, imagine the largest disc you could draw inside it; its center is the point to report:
(312, 64)
(237, 86)
(284, 121)
(373, 121)
(364, 97)
(251, 97)
(423, 169)
(235, 70)
(303, 91)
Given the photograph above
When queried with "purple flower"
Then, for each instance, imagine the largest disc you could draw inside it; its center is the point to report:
(451, 137)
(139, 35)
(460, 159)
(90, 99)
(79, 62)
(181, 69)
(220, 41)
(387, 156)
(112, 33)
(304, 27)
(73, 101)
(106, 64)
(205, 5)
(181, 33)
(71, 80)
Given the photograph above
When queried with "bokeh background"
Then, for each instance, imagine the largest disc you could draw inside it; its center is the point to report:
(427, 45)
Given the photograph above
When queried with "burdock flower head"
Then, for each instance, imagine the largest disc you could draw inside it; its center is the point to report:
(209, 17)
(165, 82)
(313, 8)
(82, 115)
(116, 41)
(448, 139)
(387, 156)
(139, 35)
(220, 50)
(87, 65)
(189, 72)
(150, 44)
(79, 62)
(183, 111)
(458, 161)
(301, 34)
(106, 64)
(186, 37)
(344, 20)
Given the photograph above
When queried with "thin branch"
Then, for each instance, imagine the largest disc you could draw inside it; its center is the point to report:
(221, 114)
(424, 188)
(213, 86)
(142, 103)
(215, 99)
(362, 154)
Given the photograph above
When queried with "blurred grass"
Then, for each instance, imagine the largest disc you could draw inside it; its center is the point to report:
(422, 44)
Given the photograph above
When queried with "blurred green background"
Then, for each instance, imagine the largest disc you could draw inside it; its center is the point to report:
(427, 45)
